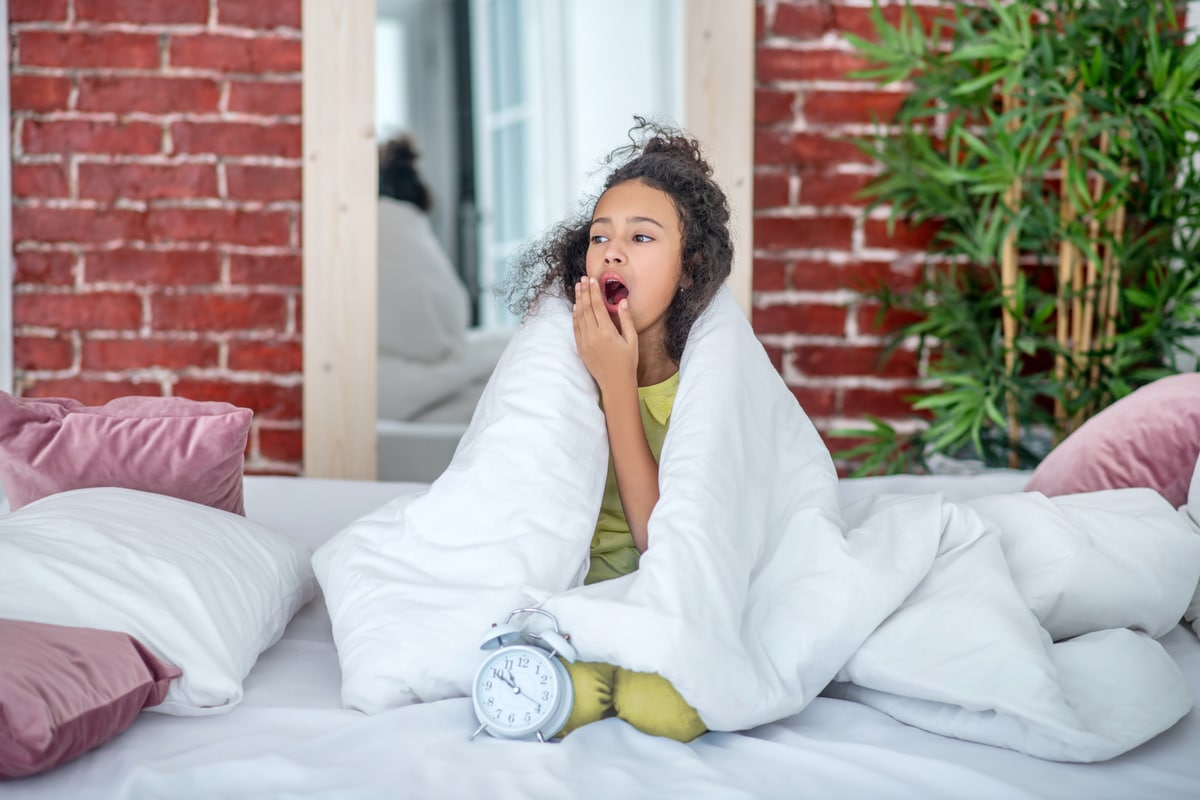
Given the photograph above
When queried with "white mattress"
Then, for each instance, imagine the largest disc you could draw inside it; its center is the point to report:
(290, 737)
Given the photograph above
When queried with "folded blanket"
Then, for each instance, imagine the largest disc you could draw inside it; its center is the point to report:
(757, 590)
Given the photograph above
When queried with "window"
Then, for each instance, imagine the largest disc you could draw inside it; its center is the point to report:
(506, 90)
(556, 85)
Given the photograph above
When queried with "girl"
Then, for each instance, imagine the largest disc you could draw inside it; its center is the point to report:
(639, 271)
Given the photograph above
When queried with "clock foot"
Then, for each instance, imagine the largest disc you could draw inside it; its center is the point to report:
(541, 738)
(478, 731)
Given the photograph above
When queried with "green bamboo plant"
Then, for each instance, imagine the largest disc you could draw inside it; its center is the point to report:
(1053, 148)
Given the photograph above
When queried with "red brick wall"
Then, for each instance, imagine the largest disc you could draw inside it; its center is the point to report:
(156, 205)
(816, 248)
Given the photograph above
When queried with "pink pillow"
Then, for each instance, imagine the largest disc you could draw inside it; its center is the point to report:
(1149, 438)
(66, 690)
(167, 445)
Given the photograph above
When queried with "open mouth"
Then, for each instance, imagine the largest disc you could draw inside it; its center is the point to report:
(614, 293)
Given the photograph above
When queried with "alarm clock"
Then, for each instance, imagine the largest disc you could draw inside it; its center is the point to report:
(522, 690)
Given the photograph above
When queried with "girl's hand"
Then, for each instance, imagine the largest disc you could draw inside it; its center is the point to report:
(610, 354)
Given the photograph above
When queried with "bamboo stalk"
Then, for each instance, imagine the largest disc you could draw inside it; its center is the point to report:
(1080, 346)
(1110, 287)
(1112, 280)
(1086, 288)
(1078, 281)
(1099, 281)
(1008, 288)
(1107, 293)
(1088, 323)
(1068, 256)
(1083, 355)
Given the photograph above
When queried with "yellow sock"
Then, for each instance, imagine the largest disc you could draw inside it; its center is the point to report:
(650, 703)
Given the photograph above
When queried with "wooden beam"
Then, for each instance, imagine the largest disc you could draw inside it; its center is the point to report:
(718, 108)
(340, 326)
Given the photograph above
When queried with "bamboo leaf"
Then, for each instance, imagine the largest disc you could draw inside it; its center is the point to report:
(974, 143)
(981, 51)
(993, 413)
(932, 401)
(976, 84)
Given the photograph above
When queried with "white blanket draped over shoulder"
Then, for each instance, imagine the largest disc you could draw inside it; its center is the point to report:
(1016, 620)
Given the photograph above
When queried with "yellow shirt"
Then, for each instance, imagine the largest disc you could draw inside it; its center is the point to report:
(613, 551)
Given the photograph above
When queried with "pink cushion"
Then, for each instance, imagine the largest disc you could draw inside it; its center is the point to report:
(66, 690)
(1149, 438)
(168, 445)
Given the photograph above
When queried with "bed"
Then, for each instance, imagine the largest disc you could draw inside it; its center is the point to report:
(938, 600)
(278, 740)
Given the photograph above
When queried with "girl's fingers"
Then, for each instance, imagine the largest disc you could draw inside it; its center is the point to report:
(585, 302)
(582, 307)
(599, 313)
(586, 324)
(628, 332)
(597, 301)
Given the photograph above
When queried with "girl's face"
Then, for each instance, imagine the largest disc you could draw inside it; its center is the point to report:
(635, 253)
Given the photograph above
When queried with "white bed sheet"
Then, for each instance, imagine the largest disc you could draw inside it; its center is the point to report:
(290, 737)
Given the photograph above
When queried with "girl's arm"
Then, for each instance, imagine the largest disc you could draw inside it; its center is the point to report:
(637, 471)
(611, 357)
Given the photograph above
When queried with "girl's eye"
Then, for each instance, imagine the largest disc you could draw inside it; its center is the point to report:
(642, 237)
(599, 238)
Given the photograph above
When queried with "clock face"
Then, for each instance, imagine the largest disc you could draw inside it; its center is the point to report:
(520, 690)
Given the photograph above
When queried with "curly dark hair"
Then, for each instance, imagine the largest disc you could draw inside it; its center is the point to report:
(398, 177)
(665, 159)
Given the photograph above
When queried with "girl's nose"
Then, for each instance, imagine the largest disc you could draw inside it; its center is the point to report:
(613, 254)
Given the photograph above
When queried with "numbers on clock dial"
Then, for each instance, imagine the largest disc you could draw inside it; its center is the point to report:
(516, 690)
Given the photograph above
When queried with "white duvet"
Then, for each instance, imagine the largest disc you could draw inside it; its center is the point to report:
(1017, 621)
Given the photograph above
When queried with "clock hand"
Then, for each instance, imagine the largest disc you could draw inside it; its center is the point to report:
(512, 681)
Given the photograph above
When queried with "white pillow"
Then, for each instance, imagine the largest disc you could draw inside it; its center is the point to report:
(202, 588)
(423, 305)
